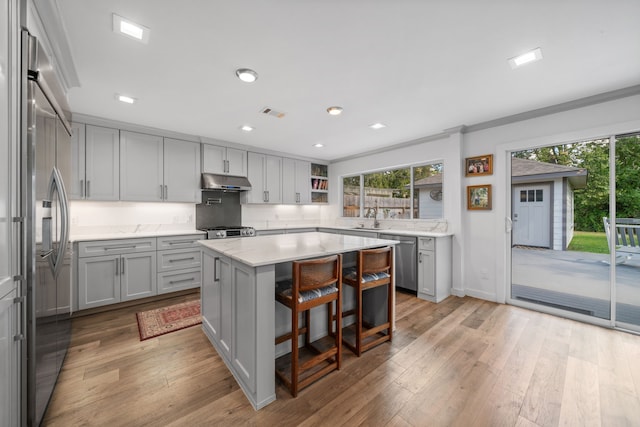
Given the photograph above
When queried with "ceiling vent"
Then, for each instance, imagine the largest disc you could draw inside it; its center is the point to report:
(271, 112)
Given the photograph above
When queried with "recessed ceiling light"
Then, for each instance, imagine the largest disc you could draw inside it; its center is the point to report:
(126, 99)
(130, 29)
(247, 75)
(377, 126)
(246, 128)
(318, 145)
(334, 111)
(526, 58)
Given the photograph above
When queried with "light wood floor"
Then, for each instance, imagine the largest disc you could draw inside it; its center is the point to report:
(461, 362)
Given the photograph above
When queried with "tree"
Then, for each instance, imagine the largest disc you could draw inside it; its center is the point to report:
(592, 203)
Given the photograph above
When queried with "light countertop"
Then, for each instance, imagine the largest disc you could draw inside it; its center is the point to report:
(102, 235)
(399, 232)
(274, 249)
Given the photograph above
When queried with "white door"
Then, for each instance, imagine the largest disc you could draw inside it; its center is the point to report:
(532, 215)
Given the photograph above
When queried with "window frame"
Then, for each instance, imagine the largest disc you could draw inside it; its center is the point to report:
(411, 167)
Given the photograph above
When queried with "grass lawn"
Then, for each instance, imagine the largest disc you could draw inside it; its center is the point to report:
(587, 241)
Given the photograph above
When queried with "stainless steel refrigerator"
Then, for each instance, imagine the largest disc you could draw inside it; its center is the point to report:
(46, 165)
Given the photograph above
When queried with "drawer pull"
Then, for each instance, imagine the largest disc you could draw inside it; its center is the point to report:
(182, 259)
(182, 242)
(114, 248)
(190, 279)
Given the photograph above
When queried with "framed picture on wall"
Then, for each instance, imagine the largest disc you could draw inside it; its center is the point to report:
(481, 165)
(479, 197)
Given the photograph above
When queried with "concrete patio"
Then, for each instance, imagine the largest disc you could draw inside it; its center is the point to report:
(576, 281)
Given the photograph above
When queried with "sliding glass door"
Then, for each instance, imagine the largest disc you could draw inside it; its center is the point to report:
(625, 231)
(560, 195)
(575, 211)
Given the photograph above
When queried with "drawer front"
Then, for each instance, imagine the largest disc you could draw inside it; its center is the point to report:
(117, 246)
(178, 259)
(178, 280)
(180, 242)
(427, 243)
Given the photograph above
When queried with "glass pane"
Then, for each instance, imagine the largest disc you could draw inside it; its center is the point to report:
(559, 256)
(427, 191)
(627, 231)
(386, 194)
(351, 196)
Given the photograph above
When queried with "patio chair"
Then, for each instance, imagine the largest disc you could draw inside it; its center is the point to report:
(627, 237)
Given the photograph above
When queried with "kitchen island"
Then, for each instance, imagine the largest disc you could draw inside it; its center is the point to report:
(238, 298)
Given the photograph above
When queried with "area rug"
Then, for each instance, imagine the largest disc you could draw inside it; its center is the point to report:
(160, 321)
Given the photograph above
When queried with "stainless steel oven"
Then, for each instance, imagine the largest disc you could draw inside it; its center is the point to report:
(220, 215)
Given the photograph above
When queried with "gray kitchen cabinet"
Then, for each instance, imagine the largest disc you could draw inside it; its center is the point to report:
(265, 175)
(138, 275)
(141, 167)
(179, 261)
(181, 171)
(110, 271)
(434, 268)
(230, 318)
(95, 163)
(296, 184)
(98, 281)
(224, 160)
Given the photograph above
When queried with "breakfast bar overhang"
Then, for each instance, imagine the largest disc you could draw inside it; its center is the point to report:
(238, 298)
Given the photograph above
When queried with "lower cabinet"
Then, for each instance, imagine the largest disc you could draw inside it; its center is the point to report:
(110, 279)
(178, 263)
(112, 271)
(229, 295)
(434, 268)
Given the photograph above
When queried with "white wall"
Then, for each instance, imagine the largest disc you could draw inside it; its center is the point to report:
(484, 238)
(481, 243)
(446, 149)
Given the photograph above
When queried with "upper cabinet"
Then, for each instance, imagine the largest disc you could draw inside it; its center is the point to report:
(181, 171)
(265, 176)
(158, 169)
(141, 163)
(95, 163)
(295, 181)
(224, 160)
(319, 183)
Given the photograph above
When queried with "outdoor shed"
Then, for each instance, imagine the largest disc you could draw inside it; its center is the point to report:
(542, 202)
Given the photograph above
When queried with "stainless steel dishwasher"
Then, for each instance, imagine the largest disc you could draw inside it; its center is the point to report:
(406, 262)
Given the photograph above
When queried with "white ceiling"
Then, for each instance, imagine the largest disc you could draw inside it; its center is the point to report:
(418, 66)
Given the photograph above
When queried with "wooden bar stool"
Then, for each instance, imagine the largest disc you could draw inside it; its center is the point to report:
(314, 283)
(374, 268)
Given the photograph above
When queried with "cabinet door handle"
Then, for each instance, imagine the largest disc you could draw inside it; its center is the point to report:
(216, 260)
(122, 262)
(297, 197)
(166, 192)
(161, 192)
(420, 257)
(226, 166)
(82, 188)
(88, 189)
(117, 267)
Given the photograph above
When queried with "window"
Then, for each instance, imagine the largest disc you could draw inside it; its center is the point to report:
(413, 192)
(351, 196)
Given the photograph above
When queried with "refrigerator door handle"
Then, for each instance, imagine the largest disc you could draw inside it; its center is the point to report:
(47, 242)
(56, 184)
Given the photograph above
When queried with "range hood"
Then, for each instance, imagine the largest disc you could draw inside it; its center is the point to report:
(214, 181)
